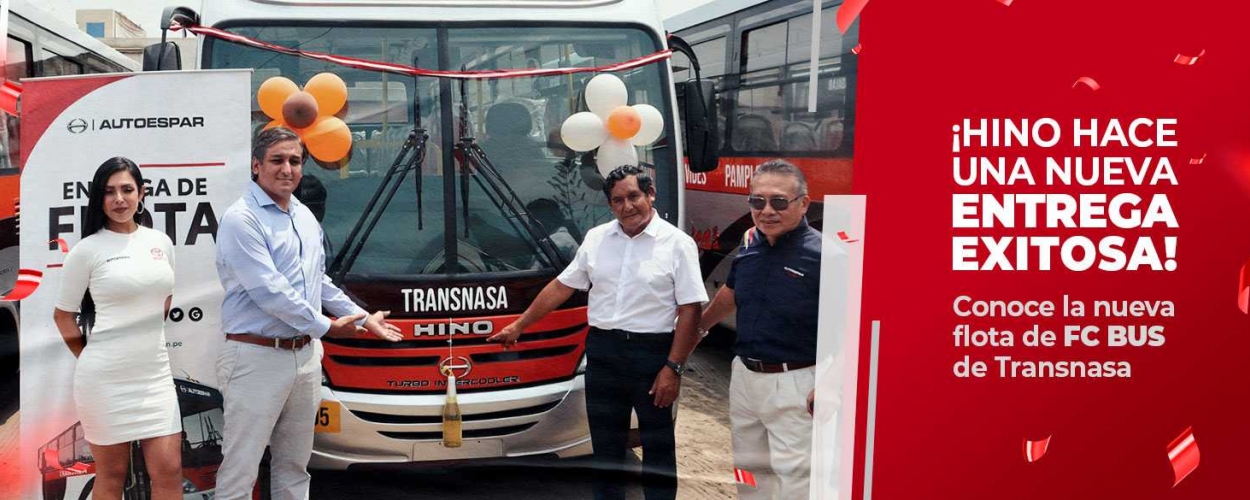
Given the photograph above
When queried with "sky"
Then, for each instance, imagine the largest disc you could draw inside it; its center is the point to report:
(148, 12)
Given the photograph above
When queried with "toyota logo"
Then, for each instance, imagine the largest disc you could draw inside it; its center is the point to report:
(77, 126)
(453, 364)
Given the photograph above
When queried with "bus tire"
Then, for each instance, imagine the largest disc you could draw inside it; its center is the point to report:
(54, 490)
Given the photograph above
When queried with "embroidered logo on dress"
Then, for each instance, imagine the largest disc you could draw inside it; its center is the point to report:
(158, 254)
(793, 272)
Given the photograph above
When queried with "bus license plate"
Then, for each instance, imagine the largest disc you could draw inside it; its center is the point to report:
(328, 417)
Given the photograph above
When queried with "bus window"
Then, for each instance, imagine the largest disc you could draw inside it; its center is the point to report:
(17, 60)
(56, 65)
(82, 450)
(764, 47)
(711, 56)
(379, 121)
(516, 121)
(771, 104)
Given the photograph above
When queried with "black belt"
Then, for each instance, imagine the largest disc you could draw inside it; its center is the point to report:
(290, 344)
(628, 335)
(756, 365)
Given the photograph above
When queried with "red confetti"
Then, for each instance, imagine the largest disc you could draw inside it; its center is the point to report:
(1089, 82)
(858, 47)
(1185, 60)
(27, 281)
(742, 476)
(1198, 161)
(1183, 453)
(1243, 288)
(60, 242)
(848, 11)
(846, 239)
(1035, 450)
(1005, 2)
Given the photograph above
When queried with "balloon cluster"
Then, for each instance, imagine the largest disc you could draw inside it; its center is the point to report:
(310, 113)
(610, 125)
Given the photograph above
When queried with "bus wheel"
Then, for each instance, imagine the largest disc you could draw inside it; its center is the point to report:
(86, 489)
(54, 490)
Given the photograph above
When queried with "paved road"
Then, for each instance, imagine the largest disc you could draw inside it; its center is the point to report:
(703, 456)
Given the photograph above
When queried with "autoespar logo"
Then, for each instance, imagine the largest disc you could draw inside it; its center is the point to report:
(80, 125)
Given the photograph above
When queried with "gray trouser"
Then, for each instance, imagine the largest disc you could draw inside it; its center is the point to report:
(772, 431)
(270, 399)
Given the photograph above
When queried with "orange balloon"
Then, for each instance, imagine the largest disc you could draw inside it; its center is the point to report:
(336, 165)
(624, 122)
(273, 93)
(330, 92)
(328, 139)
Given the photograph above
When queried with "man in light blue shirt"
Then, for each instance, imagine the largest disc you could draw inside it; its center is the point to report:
(272, 267)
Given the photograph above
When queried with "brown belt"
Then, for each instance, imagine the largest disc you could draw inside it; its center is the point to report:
(756, 365)
(290, 344)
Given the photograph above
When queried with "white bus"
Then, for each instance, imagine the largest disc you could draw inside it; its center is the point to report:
(439, 229)
(36, 44)
(758, 55)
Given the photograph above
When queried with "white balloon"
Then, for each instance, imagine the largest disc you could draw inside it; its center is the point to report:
(652, 125)
(605, 93)
(614, 153)
(583, 131)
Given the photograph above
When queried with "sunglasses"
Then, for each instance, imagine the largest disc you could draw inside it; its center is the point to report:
(779, 203)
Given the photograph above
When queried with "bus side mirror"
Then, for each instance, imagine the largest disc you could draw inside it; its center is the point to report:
(165, 56)
(696, 101)
(701, 132)
(162, 57)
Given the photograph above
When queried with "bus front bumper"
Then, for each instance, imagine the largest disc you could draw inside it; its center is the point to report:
(394, 429)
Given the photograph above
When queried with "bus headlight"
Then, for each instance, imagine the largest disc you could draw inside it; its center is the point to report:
(188, 486)
(581, 366)
(325, 378)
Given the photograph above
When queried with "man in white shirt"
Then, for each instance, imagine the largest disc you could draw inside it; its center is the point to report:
(642, 273)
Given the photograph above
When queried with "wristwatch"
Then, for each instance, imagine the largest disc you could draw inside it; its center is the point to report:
(677, 368)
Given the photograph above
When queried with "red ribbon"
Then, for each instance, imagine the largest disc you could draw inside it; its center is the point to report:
(369, 65)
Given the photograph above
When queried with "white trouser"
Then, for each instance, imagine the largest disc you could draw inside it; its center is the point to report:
(270, 400)
(772, 431)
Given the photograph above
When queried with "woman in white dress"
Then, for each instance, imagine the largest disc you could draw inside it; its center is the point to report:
(120, 277)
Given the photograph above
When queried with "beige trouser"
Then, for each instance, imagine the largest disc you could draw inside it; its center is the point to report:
(270, 400)
(772, 431)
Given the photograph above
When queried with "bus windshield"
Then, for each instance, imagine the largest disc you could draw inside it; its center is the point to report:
(430, 226)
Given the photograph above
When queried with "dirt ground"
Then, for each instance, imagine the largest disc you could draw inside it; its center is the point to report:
(704, 459)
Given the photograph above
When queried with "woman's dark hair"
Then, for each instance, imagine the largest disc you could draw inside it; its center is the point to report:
(96, 218)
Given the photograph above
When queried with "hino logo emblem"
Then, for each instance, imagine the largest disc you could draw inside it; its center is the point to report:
(77, 126)
(453, 364)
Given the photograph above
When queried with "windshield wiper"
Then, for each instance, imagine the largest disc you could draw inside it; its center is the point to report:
(473, 159)
(404, 162)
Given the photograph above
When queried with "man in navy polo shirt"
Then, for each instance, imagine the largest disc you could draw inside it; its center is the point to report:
(774, 285)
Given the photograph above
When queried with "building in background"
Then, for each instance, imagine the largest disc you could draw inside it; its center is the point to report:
(108, 23)
(126, 36)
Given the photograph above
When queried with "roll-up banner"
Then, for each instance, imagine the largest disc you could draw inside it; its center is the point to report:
(189, 133)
